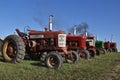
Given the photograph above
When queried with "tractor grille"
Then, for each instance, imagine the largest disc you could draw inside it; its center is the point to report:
(61, 40)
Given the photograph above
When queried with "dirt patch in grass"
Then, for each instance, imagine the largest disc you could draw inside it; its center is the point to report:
(115, 73)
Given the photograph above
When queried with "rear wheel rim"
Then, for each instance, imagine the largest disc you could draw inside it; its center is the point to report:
(9, 50)
(82, 55)
(52, 61)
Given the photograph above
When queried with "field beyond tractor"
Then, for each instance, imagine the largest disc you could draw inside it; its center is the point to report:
(99, 68)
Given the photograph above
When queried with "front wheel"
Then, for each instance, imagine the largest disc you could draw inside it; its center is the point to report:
(114, 50)
(13, 49)
(73, 57)
(92, 53)
(97, 51)
(109, 50)
(84, 54)
(103, 51)
(53, 60)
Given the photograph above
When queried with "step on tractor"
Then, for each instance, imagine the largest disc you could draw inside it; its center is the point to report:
(107, 47)
(49, 46)
(100, 45)
(113, 46)
(77, 43)
(90, 43)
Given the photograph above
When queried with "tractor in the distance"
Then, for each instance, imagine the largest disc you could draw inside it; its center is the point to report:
(90, 43)
(100, 45)
(107, 47)
(49, 46)
(113, 46)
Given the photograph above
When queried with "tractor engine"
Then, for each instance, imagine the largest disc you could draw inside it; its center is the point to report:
(76, 42)
(90, 41)
(99, 44)
(107, 47)
(46, 41)
(113, 45)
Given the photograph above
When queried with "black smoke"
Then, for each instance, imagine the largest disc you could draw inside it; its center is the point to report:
(82, 29)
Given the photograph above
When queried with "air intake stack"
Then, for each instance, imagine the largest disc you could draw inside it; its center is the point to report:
(86, 33)
(74, 31)
(50, 22)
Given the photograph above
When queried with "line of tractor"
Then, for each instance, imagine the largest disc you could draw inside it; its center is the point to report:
(52, 47)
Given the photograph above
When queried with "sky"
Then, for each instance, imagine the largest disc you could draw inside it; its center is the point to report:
(102, 16)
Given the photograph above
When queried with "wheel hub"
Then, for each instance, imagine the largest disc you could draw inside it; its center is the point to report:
(10, 50)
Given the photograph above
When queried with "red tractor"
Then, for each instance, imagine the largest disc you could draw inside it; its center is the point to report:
(78, 43)
(49, 46)
(90, 43)
(113, 46)
(107, 47)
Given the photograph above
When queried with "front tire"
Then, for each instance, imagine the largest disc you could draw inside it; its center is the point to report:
(53, 60)
(13, 49)
(109, 50)
(103, 51)
(73, 57)
(114, 50)
(97, 51)
(92, 53)
(84, 54)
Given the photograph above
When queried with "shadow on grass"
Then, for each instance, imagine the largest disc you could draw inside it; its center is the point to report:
(40, 64)
(117, 60)
(36, 62)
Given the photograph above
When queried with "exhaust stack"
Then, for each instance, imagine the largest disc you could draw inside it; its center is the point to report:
(86, 33)
(74, 31)
(50, 22)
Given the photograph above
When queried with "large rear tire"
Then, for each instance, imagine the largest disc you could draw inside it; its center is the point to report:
(13, 49)
(91, 53)
(73, 57)
(53, 60)
(84, 54)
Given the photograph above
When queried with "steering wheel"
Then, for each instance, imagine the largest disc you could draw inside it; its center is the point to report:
(27, 29)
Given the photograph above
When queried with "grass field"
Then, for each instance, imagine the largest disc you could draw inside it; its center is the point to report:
(103, 67)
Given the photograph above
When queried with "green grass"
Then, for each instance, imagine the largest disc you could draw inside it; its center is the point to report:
(98, 68)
